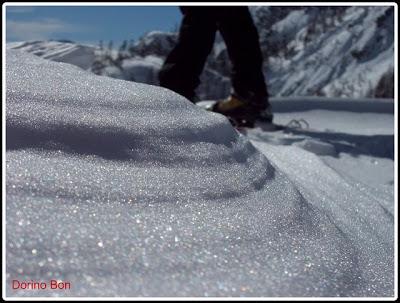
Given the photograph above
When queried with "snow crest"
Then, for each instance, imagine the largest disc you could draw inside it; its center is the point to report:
(127, 189)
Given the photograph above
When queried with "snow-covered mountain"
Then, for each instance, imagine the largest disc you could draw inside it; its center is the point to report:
(127, 189)
(59, 51)
(325, 51)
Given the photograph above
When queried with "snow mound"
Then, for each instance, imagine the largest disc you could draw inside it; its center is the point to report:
(126, 189)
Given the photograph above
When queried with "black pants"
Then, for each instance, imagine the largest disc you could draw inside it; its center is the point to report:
(183, 66)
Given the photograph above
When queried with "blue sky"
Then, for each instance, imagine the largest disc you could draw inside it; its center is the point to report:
(88, 24)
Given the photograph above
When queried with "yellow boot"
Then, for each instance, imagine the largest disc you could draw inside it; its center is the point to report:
(243, 112)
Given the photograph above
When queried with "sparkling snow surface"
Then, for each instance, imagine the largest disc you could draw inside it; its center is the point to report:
(127, 189)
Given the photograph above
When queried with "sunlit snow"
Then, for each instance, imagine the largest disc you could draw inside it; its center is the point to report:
(126, 189)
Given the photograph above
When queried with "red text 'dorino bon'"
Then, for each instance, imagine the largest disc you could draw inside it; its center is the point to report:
(38, 285)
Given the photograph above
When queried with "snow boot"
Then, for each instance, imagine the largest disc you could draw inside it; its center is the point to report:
(242, 112)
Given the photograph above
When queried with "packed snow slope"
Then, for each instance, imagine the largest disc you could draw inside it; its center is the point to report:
(126, 189)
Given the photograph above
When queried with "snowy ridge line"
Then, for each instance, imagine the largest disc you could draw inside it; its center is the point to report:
(363, 105)
(77, 54)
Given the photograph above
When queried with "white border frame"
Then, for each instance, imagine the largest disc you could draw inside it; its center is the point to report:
(16, 4)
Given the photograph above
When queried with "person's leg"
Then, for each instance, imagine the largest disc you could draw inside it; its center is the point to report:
(183, 66)
(242, 42)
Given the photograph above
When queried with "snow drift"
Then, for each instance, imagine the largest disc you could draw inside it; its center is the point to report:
(126, 189)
